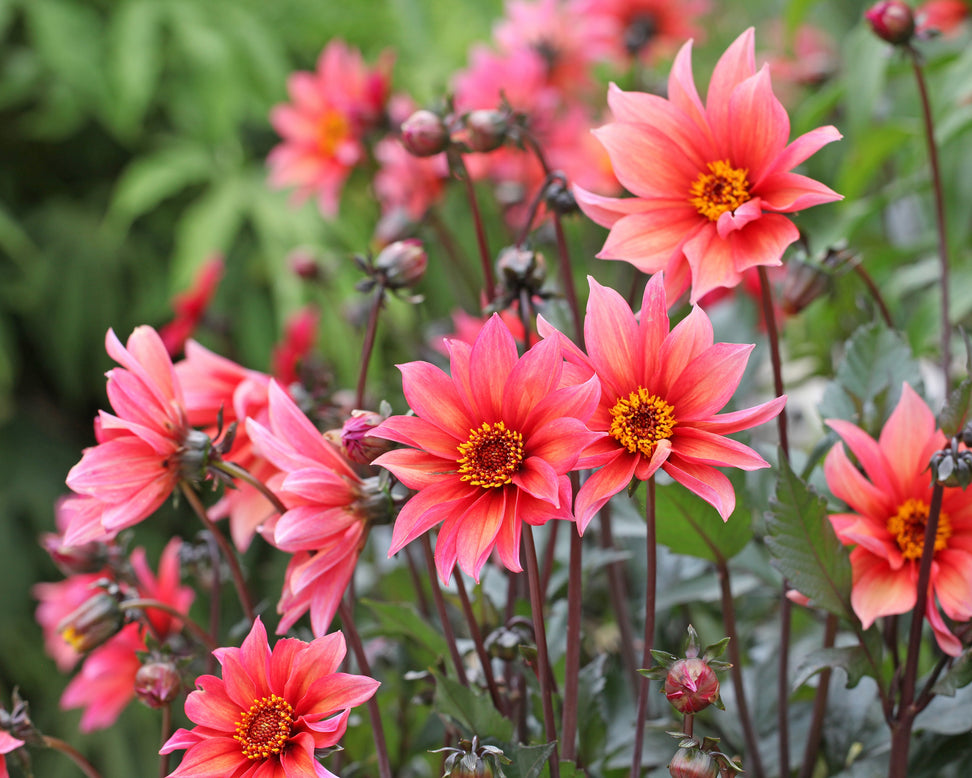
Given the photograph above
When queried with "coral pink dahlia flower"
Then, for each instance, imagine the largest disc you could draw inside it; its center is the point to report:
(492, 446)
(889, 503)
(660, 393)
(711, 182)
(270, 710)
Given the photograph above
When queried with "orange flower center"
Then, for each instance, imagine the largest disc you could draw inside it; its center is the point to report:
(908, 528)
(723, 188)
(491, 456)
(640, 420)
(265, 728)
(332, 129)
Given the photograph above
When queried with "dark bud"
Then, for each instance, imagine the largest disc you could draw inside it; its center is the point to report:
(521, 269)
(401, 264)
(486, 130)
(424, 134)
(158, 683)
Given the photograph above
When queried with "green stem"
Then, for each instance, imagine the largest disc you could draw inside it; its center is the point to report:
(234, 470)
(166, 732)
(369, 344)
(484, 256)
(572, 658)
(651, 552)
(73, 754)
(447, 631)
(811, 751)
(146, 603)
(619, 598)
(477, 637)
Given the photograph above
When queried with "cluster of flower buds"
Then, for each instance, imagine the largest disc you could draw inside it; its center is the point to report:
(892, 21)
(426, 133)
(696, 759)
(691, 683)
(471, 760)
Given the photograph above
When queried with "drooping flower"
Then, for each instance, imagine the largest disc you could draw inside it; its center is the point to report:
(323, 126)
(138, 460)
(326, 522)
(491, 448)
(106, 682)
(711, 182)
(190, 306)
(889, 503)
(661, 392)
(270, 710)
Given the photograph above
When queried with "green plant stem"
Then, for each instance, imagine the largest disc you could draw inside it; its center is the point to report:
(819, 704)
(73, 754)
(755, 767)
(231, 560)
(477, 637)
(146, 603)
(783, 675)
(440, 607)
(905, 714)
(543, 658)
(617, 590)
(216, 586)
(374, 712)
(568, 725)
(485, 257)
(166, 732)
(234, 470)
(368, 346)
(939, 194)
(651, 552)
(875, 293)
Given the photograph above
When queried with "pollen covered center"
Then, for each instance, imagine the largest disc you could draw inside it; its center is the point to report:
(908, 528)
(492, 455)
(640, 420)
(332, 129)
(723, 188)
(265, 728)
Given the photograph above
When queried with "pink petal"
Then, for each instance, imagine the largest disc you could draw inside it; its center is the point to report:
(735, 421)
(215, 757)
(650, 240)
(878, 590)
(762, 242)
(708, 382)
(433, 396)
(653, 324)
(416, 469)
(210, 706)
(760, 126)
(611, 334)
(805, 146)
(736, 64)
(648, 162)
(607, 210)
(477, 530)
(872, 459)
(788, 192)
(905, 433)
(601, 486)
(532, 378)
(428, 508)
(709, 449)
(689, 338)
(682, 92)
(490, 364)
(848, 484)
(539, 479)
(707, 482)
(710, 260)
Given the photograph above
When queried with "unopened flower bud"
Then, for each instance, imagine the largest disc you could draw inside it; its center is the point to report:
(303, 264)
(891, 20)
(359, 446)
(157, 683)
(504, 643)
(691, 685)
(521, 268)
(693, 762)
(486, 129)
(402, 263)
(97, 619)
(424, 134)
(195, 455)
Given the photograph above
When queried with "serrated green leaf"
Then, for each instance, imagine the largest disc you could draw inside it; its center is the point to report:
(471, 710)
(852, 659)
(689, 525)
(399, 618)
(529, 761)
(804, 546)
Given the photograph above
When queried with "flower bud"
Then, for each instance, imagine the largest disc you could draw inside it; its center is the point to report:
(358, 445)
(424, 134)
(97, 619)
(157, 683)
(402, 263)
(195, 455)
(521, 268)
(486, 129)
(691, 685)
(891, 20)
(303, 264)
(693, 762)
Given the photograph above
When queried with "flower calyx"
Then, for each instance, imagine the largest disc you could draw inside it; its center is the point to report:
(691, 683)
(472, 760)
(952, 466)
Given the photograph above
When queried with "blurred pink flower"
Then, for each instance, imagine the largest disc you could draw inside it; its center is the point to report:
(106, 682)
(326, 523)
(270, 710)
(660, 394)
(890, 501)
(406, 182)
(55, 600)
(190, 306)
(136, 464)
(8, 743)
(711, 182)
(944, 17)
(491, 448)
(300, 333)
(322, 127)
(806, 56)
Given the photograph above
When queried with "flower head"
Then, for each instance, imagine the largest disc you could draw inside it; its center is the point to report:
(889, 503)
(491, 446)
(711, 182)
(138, 460)
(270, 710)
(661, 392)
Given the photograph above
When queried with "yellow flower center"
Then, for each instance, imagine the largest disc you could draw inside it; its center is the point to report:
(640, 420)
(723, 188)
(265, 728)
(491, 456)
(908, 528)
(332, 129)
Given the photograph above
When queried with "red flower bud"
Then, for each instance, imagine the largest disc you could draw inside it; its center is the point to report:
(402, 263)
(424, 134)
(891, 20)
(486, 130)
(691, 685)
(359, 446)
(693, 763)
(157, 683)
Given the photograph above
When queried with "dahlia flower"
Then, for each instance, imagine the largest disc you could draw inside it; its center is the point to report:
(270, 710)
(491, 446)
(711, 182)
(660, 393)
(889, 503)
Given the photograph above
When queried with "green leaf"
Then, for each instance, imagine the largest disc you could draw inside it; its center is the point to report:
(852, 659)
(953, 416)
(804, 546)
(687, 524)
(400, 618)
(134, 61)
(471, 710)
(529, 761)
(209, 224)
(958, 676)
